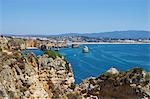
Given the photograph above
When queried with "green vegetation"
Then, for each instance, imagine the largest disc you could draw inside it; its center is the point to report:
(122, 74)
(73, 86)
(107, 74)
(74, 95)
(0, 49)
(147, 77)
(53, 54)
(136, 70)
(11, 94)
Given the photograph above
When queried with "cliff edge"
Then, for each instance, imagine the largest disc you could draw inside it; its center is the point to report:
(28, 76)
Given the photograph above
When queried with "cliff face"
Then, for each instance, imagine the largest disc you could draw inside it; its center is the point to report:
(133, 84)
(33, 77)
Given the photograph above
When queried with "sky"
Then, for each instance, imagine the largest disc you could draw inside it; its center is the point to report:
(73, 16)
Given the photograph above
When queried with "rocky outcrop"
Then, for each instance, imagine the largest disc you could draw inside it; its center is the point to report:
(33, 77)
(133, 84)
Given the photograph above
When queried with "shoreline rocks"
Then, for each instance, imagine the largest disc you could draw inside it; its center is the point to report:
(128, 85)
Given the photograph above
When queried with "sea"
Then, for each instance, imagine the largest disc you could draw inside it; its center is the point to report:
(101, 57)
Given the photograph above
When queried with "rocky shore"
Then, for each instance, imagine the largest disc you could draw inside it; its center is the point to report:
(50, 77)
(133, 84)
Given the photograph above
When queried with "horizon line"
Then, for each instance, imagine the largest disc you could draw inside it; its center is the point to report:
(17, 34)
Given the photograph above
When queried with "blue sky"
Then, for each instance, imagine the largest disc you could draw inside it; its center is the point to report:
(82, 16)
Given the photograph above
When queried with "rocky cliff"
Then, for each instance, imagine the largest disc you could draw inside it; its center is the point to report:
(133, 84)
(34, 77)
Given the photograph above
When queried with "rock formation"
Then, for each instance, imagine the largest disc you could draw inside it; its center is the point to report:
(133, 84)
(33, 77)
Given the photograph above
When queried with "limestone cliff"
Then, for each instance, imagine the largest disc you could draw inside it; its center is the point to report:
(133, 84)
(34, 77)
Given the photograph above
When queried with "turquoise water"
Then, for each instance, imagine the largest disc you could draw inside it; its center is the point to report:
(101, 57)
(37, 52)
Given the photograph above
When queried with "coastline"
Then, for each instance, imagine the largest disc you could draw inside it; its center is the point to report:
(108, 43)
(52, 76)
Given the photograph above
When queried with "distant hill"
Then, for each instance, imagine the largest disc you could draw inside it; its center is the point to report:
(131, 34)
(115, 34)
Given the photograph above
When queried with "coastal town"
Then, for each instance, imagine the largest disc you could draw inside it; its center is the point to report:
(21, 42)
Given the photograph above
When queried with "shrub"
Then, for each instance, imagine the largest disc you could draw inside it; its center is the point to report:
(0, 49)
(74, 95)
(136, 70)
(147, 77)
(122, 74)
(53, 54)
(107, 74)
(73, 86)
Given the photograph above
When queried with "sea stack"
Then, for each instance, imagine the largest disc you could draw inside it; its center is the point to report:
(85, 49)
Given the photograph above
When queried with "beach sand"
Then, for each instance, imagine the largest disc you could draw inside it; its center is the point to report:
(109, 43)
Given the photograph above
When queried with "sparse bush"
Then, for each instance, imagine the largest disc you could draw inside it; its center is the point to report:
(122, 74)
(73, 86)
(0, 49)
(53, 54)
(74, 96)
(136, 70)
(107, 74)
(147, 77)
(11, 94)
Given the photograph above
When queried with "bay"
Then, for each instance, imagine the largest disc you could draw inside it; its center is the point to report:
(101, 57)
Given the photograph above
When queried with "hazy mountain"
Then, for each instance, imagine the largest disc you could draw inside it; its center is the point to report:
(115, 34)
(131, 34)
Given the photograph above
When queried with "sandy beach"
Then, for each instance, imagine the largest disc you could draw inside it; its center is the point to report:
(108, 43)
